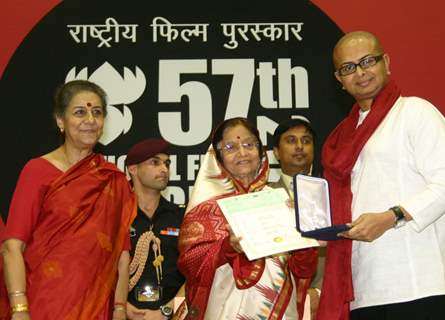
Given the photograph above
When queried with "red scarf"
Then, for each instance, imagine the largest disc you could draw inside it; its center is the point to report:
(339, 154)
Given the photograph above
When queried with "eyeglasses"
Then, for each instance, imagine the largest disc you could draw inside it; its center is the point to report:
(234, 147)
(365, 63)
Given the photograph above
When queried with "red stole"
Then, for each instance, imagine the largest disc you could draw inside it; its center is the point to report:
(339, 154)
(72, 257)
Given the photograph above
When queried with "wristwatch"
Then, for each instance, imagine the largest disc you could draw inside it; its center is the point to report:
(166, 311)
(399, 217)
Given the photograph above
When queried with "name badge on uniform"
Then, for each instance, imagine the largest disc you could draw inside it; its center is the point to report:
(170, 232)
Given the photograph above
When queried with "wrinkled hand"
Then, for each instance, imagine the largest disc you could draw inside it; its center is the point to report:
(234, 240)
(290, 203)
(369, 226)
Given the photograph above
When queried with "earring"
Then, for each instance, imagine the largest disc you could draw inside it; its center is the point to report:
(61, 130)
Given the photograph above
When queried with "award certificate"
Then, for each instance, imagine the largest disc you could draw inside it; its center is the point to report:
(265, 223)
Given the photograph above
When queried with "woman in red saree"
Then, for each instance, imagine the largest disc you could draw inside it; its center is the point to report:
(221, 283)
(66, 240)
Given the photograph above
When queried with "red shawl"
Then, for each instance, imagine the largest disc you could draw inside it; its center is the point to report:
(204, 246)
(72, 257)
(339, 155)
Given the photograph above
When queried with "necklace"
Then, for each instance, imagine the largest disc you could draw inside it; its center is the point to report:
(67, 162)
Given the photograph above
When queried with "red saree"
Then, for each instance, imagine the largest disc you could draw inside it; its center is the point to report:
(72, 257)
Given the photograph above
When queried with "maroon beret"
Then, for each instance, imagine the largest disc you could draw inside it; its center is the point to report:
(145, 149)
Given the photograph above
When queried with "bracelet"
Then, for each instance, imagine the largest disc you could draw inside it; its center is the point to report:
(19, 307)
(119, 308)
(120, 304)
(318, 291)
(16, 293)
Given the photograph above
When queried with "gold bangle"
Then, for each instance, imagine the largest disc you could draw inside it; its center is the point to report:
(123, 304)
(19, 307)
(119, 308)
(16, 293)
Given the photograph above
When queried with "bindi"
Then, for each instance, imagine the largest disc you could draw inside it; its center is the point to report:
(89, 104)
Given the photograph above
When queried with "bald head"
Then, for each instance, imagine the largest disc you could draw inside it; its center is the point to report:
(366, 65)
(355, 38)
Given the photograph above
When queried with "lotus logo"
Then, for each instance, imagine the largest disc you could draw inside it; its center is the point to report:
(120, 90)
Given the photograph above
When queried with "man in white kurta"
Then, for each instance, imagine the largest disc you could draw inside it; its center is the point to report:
(403, 163)
(398, 194)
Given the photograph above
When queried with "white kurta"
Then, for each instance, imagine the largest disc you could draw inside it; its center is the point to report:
(403, 163)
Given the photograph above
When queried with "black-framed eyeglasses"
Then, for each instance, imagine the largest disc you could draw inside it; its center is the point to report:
(365, 63)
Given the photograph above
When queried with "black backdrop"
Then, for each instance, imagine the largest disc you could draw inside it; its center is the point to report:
(177, 89)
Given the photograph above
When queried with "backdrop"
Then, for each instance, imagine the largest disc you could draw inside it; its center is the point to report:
(176, 70)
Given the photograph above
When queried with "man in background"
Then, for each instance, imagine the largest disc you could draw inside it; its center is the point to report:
(294, 144)
(154, 277)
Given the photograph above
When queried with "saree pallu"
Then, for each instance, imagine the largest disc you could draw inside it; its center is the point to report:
(72, 257)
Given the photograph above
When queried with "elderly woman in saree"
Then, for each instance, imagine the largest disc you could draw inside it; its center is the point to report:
(221, 283)
(65, 246)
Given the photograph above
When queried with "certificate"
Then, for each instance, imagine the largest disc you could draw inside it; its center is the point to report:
(265, 223)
